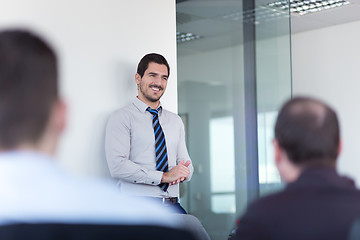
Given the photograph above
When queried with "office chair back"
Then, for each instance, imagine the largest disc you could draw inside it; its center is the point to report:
(59, 231)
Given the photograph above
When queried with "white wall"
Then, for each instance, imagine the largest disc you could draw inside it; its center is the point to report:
(326, 65)
(99, 44)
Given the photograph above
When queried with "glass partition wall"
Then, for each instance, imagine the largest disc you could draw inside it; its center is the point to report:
(234, 72)
(273, 82)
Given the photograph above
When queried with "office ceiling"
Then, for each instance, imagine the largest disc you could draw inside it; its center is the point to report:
(326, 18)
(219, 22)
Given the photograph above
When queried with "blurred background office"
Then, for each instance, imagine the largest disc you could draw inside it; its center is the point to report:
(233, 64)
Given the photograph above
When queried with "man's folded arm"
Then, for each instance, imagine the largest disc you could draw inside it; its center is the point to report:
(182, 152)
(117, 148)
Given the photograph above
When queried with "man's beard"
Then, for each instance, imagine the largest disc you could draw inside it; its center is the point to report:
(147, 96)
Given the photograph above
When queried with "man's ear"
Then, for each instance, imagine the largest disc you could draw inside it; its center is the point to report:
(340, 147)
(287, 170)
(59, 116)
(277, 152)
(137, 78)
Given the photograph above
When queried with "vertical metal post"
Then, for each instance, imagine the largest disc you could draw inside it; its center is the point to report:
(250, 99)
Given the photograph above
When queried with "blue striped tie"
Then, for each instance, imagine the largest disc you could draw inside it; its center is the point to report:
(160, 146)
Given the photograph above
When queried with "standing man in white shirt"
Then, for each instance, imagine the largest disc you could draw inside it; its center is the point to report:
(145, 143)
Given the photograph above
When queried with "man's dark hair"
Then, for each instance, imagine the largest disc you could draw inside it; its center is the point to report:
(308, 130)
(28, 87)
(151, 57)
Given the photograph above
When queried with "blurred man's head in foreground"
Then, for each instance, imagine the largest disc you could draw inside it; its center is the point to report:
(31, 113)
(307, 135)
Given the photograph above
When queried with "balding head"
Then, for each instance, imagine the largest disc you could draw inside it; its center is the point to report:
(308, 130)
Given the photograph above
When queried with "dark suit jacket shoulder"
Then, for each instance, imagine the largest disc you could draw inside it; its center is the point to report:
(319, 205)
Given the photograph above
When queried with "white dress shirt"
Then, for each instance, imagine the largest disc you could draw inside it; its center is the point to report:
(130, 149)
(33, 189)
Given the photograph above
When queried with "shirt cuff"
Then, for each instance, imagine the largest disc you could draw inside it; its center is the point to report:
(154, 178)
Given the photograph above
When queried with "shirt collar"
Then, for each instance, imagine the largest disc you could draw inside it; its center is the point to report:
(141, 106)
(321, 177)
(26, 154)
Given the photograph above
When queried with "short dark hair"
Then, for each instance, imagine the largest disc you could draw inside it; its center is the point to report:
(308, 130)
(28, 87)
(151, 57)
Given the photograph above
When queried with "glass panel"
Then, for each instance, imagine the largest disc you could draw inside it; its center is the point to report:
(223, 203)
(222, 157)
(211, 101)
(210, 81)
(267, 171)
(273, 78)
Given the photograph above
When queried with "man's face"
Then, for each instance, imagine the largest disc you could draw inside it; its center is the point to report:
(153, 84)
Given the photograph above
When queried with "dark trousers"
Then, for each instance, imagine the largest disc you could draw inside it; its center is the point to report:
(179, 208)
(176, 206)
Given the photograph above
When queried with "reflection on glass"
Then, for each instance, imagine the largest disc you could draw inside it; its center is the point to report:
(222, 165)
(267, 170)
(211, 89)
(273, 79)
(224, 203)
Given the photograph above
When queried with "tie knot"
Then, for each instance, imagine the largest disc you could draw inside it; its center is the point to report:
(153, 111)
